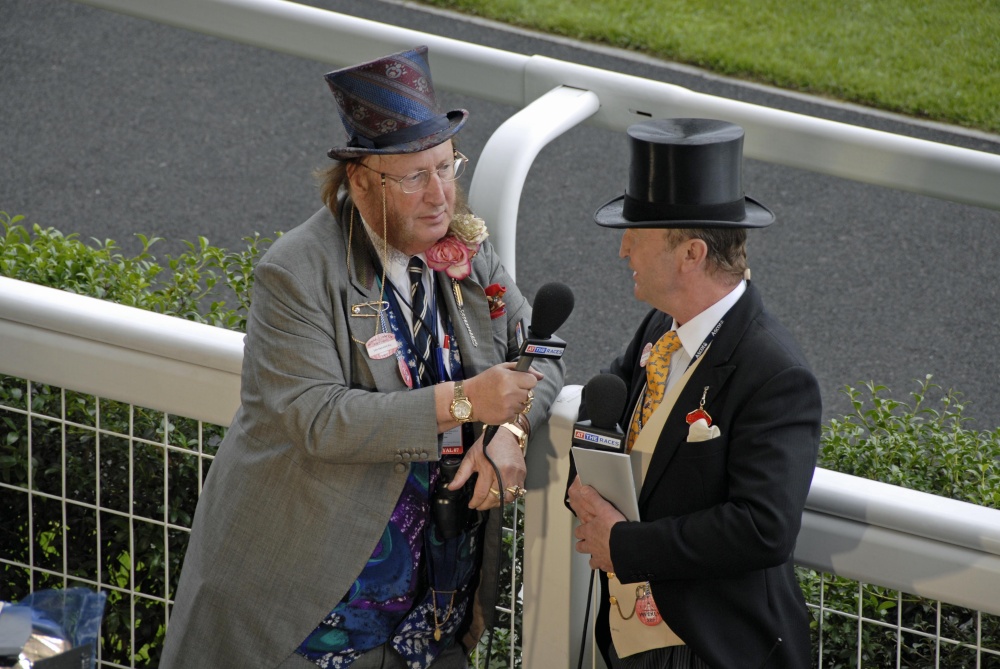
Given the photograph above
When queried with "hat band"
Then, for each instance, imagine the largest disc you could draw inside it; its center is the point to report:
(403, 135)
(639, 210)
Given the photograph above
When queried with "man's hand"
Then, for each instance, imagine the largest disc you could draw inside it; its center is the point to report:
(500, 393)
(507, 455)
(597, 516)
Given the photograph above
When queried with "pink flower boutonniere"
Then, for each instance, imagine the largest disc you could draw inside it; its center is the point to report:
(494, 295)
(454, 252)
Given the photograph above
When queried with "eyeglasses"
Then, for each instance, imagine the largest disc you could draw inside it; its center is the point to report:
(414, 182)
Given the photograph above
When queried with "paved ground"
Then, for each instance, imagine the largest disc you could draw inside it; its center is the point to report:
(111, 125)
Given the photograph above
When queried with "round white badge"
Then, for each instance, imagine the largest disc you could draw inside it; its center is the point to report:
(646, 350)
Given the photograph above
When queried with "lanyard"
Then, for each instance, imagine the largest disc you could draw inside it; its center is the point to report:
(708, 340)
(697, 354)
(446, 365)
(396, 297)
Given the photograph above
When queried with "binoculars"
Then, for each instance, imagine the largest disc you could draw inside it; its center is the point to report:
(450, 508)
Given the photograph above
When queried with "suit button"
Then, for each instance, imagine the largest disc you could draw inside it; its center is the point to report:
(423, 455)
(406, 456)
(398, 458)
(400, 468)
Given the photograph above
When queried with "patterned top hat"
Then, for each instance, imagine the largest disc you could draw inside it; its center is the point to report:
(388, 106)
(685, 173)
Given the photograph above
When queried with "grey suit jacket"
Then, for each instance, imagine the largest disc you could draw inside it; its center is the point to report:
(315, 459)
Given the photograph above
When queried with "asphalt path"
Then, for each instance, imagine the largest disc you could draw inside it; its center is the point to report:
(112, 126)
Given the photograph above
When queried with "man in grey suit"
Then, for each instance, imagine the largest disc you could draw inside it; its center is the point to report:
(381, 331)
(723, 417)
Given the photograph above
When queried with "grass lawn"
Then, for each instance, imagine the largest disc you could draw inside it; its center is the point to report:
(933, 59)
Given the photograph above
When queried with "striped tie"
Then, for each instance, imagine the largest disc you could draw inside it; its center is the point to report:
(657, 369)
(421, 319)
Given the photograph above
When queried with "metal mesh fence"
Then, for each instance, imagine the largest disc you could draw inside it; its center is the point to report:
(101, 494)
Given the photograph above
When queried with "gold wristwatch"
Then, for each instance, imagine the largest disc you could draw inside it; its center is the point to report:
(461, 407)
(518, 431)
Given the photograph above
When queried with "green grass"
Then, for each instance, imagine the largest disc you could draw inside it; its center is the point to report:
(932, 59)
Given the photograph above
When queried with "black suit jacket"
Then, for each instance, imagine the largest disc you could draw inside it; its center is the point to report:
(720, 517)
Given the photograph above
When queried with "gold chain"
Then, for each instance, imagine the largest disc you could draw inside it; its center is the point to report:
(447, 615)
(457, 289)
(385, 258)
(614, 600)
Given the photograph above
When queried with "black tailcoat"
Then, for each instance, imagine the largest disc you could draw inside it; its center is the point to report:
(720, 517)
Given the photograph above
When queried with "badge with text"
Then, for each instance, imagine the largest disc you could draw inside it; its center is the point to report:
(645, 606)
(381, 346)
(451, 442)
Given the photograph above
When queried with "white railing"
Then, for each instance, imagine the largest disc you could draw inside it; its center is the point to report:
(608, 99)
(867, 531)
(872, 532)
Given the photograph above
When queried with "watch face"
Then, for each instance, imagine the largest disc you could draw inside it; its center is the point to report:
(462, 409)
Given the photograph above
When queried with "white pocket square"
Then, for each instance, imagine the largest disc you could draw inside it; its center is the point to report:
(700, 431)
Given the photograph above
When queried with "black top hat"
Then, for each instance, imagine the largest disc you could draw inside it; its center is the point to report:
(388, 106)
(685, 173)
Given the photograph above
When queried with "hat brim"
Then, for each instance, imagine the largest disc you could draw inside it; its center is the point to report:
(609, 215)
(456, 119)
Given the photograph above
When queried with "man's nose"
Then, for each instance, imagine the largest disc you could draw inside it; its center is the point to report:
(434, 192)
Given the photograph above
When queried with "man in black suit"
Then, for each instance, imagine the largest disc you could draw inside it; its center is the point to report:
(727, 431)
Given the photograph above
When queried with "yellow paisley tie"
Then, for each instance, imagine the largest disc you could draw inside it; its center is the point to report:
(657, 369)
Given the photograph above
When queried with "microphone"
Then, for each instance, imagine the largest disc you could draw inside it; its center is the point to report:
(604, 398)
(553, 305)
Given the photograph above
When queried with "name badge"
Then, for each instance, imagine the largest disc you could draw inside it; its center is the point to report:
(451, 442)
(381, 346)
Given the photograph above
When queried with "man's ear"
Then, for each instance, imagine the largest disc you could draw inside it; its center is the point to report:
(695, 253)
(359, 182)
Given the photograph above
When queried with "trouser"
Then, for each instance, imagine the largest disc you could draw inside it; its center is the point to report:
(671, 657)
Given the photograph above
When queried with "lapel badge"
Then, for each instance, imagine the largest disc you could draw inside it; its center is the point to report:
(646, 351)
(381, 346)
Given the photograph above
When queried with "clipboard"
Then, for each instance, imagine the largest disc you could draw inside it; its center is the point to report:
(610, 473)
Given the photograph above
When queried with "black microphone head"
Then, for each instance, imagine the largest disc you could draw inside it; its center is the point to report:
(553, 305)
(604, 397)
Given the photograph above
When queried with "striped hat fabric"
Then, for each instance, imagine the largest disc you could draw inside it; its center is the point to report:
(388, 106)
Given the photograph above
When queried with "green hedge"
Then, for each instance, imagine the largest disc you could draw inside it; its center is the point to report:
(203, 284)
(924, 443)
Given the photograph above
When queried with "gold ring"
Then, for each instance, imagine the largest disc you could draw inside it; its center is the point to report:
(517, 491)
(527, 403)
(495, 492)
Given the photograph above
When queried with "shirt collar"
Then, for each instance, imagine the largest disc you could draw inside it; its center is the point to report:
(694, 332)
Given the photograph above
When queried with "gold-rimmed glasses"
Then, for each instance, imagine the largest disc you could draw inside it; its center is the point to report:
(414, 182)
